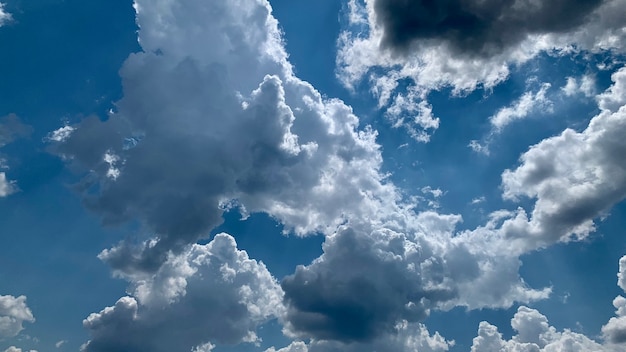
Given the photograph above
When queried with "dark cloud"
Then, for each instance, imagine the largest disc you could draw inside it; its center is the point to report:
(361, 287)
(476, 27)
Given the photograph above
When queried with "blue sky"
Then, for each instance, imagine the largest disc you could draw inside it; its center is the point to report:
(359, 175)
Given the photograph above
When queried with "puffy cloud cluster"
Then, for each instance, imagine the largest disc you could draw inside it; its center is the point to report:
(13, 313)
(370, 279)
(11, 128)
(464, 44)
(534, 334)
(575, 177)
(208, 294)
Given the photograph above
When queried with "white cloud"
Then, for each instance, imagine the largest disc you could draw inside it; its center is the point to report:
(575, 178)
(585, 85)
(59, 344)
(5, 17)
(534, 334)
(209, 292)
(16, 349)
(6, 187)
(13, 313)
(529, 103)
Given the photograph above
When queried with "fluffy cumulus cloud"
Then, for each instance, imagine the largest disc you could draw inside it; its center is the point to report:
(208, 294)
(575, 176)
(465, 44)
(13, 313)
(534, 333)
(11, 128)
(212, 116)
(370, 279)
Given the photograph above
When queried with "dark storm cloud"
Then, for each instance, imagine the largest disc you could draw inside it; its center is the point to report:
(476, 27)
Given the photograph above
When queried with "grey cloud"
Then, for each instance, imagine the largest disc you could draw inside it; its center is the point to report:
(209, 293)
(474, 28)
(368, 282)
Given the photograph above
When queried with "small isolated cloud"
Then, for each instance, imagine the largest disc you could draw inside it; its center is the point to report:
(5, 17)
(60, 344)
(527, 104)
(575, 176)
(211, 292)
(13, 313)
(585, 85)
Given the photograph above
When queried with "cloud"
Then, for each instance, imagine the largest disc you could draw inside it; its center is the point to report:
(406, 337)
(368, 281)
(16, 349)
(424, 42)
(615, 330)
(586, 85)
(575, 177)
(475, 28)
(407, 49)
(13, 313)
(212, 114)
(211, 292)
(11, 128)
(533, 332)
(528, 103)
(5, 17)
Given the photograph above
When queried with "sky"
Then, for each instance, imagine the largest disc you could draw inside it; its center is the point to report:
(312, 176)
